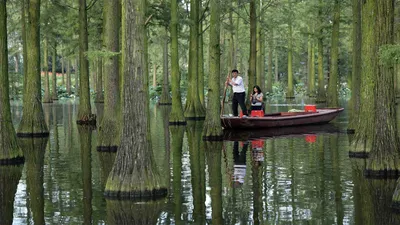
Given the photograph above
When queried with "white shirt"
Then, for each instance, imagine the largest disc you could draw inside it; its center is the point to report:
(237, 84)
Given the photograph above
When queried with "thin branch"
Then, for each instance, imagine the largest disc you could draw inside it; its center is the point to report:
(62, 5)
(148, 19)
(91, 4)
(202, 17)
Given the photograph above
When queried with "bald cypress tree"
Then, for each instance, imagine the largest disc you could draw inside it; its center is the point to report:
(134, 174)
(332, 95)
(32, 122)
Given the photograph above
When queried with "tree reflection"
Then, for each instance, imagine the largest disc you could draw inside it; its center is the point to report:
(133, 213)
(256, 174)
(9, 179)
(34, 151)
(213, 155)
(197, 168)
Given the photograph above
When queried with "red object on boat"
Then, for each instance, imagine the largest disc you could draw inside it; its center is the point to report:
(310, 108)
(257, 144)
(240, 114)
(257, 113)
(311, 138)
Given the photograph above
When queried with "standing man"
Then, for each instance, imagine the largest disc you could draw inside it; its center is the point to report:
(238, 92)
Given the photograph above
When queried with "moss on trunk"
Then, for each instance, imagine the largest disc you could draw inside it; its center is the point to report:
(177, 116)
(85, 116)
(10, 152)
(109, 130)
(212, 126)
(135, 174)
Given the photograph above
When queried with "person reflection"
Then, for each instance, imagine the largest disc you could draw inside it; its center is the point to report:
(257, 152)
(239, 160)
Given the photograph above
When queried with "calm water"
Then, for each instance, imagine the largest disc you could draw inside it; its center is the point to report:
(288, 179)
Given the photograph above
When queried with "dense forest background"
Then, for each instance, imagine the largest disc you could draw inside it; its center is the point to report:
(310, 21)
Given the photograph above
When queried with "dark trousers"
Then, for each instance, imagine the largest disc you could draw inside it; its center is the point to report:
(238, 98)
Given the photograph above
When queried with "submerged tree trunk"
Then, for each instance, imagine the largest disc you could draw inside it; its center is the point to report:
(332, 95)
(32, 122)
(385, 154)
(290, 90)
(109, 130)
(177, 116)
(165, 98)
(361, 143)
(135, 174)
(212, 125)
(10, 152)
(85, 115)
(47, 97)
(194, 109)
(54, 73)
(356, 65)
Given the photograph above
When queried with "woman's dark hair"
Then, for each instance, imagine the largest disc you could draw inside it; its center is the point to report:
(258, 89)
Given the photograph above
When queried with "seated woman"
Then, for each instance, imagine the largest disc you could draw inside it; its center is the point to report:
(256, 99)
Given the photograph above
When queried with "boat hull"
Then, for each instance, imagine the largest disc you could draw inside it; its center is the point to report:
(284, 119)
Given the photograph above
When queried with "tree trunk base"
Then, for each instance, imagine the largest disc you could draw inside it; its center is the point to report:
(14, 161)
(107, 148)
(33, 135)
(381, 174)
(177, 123)
(137, 195)
(87, 120)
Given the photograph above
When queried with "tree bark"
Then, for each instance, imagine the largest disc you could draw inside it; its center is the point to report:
(321, 94)
(212, 126)
(47, 97)
(201, 59)
(135, 174)
(253, 49)
(109, 130)
(194, 109)
(290, 90)
(165, 98)
(85, 115)
(99, 81)
(270, 70)
(54, 74)
(176, 117)
(332, 94)
(384, 155)
(69, 77)
(356, 65)
(32, 122)
(10, 152)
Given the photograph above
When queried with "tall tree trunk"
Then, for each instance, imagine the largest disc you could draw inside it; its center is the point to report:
(290, 90)
(276, 64)
(85, 115)
(384, 155)
(259, 46)
(176, 117)
(47, 97)
(332, 94)
(62, 72)
(212, 125)
(99, 81)
(165, 98)
(356, 65)
(32, 122)
(253, 49)
(10, 152)
(321, 95)
(365, 124)
(69, 77)
(24, 43)
(134, 174)
(54, 73)
(109, 130)
(194, 109)
(76, 75)
(312, 70)
(201, 58)
(270, 55)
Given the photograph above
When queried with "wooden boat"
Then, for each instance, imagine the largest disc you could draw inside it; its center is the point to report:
(281, 119)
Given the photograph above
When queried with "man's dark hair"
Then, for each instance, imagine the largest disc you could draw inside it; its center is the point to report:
(235, 70)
